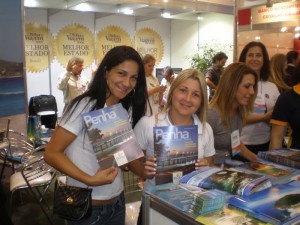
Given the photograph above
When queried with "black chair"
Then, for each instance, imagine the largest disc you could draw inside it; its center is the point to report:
(46, 107)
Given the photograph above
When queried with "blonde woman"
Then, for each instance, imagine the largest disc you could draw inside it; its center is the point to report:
(278, 65)
(186, 105)
(155, 91)
(228, 109)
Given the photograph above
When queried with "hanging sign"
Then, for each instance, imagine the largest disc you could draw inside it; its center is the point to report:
(110, 37)
(38, 47)
(147, 41)
(75, 40)
(285, 11)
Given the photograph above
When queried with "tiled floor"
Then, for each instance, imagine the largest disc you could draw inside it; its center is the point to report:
(132, 212)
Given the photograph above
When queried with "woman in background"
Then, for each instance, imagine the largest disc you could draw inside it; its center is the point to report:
(120, 78)
(155, 90)
(228, 109)
(256, 134)
(168, 77)
(278, 65)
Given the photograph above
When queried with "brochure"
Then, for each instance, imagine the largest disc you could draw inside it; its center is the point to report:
(279, 204)
(232, 181)
(176, 151)
(288, 157)
(111, 136)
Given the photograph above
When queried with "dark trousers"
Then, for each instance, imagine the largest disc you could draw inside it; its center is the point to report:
(256, 148)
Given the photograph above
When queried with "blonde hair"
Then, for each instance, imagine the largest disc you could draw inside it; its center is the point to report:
(148, 58)
(195, 75)
(277, 71)
(224, 96)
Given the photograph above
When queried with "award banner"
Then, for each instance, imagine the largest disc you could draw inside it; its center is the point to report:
(38, 47)
(110, 37)
(75, 40)
(147, 41)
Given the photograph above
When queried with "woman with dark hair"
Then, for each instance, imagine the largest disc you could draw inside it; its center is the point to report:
(120, 78)
(228, 109)
(256, 134)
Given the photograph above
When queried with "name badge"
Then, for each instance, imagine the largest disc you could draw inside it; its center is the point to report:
(120, 158)
(235, 143)
(260, 105)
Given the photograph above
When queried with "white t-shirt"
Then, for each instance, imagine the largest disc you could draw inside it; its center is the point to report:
(144, 134)
(260, 133)
(153, 99)
(168, 85)
(81, 153)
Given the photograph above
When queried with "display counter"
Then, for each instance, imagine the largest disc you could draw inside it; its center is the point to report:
(158, 212)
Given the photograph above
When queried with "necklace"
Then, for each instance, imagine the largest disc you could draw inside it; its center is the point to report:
(170, 118)
(172, 122)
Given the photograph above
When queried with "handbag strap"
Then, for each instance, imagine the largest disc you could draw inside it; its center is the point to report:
(64, 182)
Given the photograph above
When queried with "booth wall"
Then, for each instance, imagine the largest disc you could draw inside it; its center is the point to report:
(189, 37)
(180, 40)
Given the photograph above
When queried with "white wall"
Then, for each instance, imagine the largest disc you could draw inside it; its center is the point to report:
(184, 42)
(189, 36)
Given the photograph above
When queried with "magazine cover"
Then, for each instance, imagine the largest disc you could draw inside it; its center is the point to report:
(278, 174)
(175, 149)
(111, 136)
(229, 180)
(279, 204)
(229, 216)
(288, 157)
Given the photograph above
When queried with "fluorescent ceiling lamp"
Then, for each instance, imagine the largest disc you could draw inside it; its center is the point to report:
(165, 14)
(30, 3)
(127, 11)
(84, 7)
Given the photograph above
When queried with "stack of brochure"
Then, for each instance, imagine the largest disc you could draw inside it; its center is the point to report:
(192, 200)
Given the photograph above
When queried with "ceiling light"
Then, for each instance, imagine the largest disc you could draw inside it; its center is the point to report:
(127, 11)
(165, 14)
(83, 7)
(30, 3)
(297, 35)
(283, 29)
(297, 28)
(257, 38)
(199, 17)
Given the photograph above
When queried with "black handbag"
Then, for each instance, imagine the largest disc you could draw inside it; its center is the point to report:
(72, 203)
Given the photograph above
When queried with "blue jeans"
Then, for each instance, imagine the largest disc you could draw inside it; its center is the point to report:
(113, 214)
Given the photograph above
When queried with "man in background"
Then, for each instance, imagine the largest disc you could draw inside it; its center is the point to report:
(213, 73)
(293, 60)
(71, 82)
